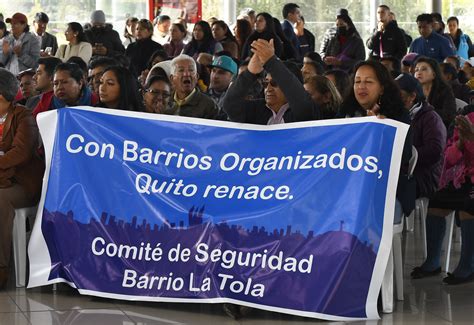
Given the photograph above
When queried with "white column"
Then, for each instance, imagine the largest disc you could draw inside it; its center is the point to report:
(228, 11)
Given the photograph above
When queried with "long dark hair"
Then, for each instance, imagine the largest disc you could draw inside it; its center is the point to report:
(207, 40)
(126, 34)
(77, 28)
(438, 82)
(242, 31)
(4, 27)
(391, 104)
(129, 94)
(352, 29)
(228, 34)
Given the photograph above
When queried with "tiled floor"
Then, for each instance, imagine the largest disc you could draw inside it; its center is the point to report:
(427, 301)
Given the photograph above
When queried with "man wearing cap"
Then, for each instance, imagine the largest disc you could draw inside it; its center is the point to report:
(104, 40)
(20, 48)
(430, 43)
(187, 99)
(429, 135)
(223, 68)
(48, 42)
(408, 63)
(21, 171)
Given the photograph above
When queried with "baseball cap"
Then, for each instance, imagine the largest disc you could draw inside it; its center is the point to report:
(17, 18)
(410, 84)
(226, 63)
(41, 16)
(409, 59)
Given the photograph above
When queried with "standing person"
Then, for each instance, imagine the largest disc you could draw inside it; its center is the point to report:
(436, 90)
(48, 42)
(77, 44)
(291, 13)
(104, 40)
(429, 135)
(20, 48)
(176, 44)
(430, 43)
(202, 41)
(305, 37)
(161, 32)
(140, 52)
(462, 42)
(21, 170)
(118, 90)
(264, 29)
(387, 39)
(342, 47)
(130, 31)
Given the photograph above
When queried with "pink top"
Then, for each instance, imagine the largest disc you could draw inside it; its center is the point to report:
(458, 165)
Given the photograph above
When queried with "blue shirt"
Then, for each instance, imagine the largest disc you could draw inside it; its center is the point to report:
(435, 46)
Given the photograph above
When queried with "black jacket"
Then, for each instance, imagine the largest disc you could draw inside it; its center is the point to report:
(108, 37)
(350, 53)
(302, 107)
(139, 54)
(393, 42)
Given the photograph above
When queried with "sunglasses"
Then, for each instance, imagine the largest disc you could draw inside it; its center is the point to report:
(271, 83)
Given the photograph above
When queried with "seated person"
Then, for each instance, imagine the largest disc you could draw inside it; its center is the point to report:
(455, 194)
(429, 135)
(69, 89)
(285, 97)
(187, 99)
(21, 171)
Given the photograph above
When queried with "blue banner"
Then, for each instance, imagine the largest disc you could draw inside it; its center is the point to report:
(292, 218)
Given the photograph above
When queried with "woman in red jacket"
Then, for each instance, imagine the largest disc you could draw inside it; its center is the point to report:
(21, 171)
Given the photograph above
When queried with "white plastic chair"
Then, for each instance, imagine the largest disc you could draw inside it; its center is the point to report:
(20, 242)
(422, 206)
(410, 225)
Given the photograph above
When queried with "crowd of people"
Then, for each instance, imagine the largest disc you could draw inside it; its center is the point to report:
(261, 71)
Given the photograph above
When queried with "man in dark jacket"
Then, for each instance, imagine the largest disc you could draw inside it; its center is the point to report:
(104, 40)
(48, 42)
(285, 97)
(188, 100)
(291, 14)
(429, 135)
(388, 39)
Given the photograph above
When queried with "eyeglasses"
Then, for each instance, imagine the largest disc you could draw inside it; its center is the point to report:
(271, 83)
(156, 93)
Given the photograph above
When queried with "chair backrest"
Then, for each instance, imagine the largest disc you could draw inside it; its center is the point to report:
(413, 161)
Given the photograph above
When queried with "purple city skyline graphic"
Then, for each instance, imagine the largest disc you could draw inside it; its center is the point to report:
(338, 284)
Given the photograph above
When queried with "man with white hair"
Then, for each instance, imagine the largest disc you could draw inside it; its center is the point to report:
(187, 99)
